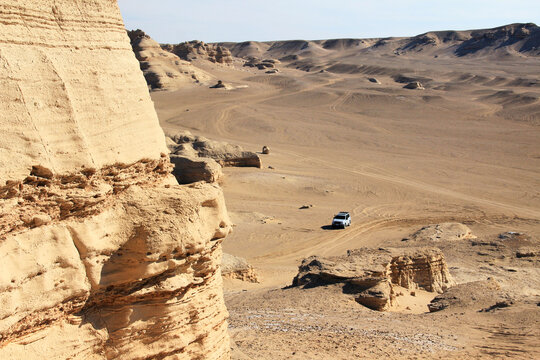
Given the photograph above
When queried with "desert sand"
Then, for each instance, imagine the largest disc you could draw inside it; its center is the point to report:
(345, 134)
(431, 143)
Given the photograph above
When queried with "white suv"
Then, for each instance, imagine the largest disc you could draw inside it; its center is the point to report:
(342, 219)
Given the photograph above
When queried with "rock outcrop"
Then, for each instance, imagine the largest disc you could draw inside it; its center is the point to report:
(202, 155)
(191, 50)
(442, 232)
(162, 69)
(103, 254)
(234, 267)
(372, 274)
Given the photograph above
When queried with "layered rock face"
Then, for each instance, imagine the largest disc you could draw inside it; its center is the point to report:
(195, 49)
(372, 274)
(103, 255)
(162, 69)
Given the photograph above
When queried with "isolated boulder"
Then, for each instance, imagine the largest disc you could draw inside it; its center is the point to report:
(266, 150)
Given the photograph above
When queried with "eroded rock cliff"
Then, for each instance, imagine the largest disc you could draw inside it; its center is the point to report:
(104, 255)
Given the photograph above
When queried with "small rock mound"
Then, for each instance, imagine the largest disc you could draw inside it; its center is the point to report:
(266, 150)
(261, 64)
(234, 267)
(415, 85)
(372, 274)
(476, 293)
(442, 232)
(374, 80)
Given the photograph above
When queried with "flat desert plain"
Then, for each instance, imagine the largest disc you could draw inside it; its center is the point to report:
(465, 149)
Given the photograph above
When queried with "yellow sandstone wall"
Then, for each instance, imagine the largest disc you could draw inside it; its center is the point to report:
(103, 255)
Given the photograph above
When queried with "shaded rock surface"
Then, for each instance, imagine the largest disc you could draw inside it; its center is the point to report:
(234, 267)
(372, 273)
(104, 255)
(162, 69)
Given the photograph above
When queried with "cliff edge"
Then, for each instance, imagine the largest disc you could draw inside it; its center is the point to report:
(104, 255)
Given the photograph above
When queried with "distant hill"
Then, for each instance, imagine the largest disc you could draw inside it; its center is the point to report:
(508, 40)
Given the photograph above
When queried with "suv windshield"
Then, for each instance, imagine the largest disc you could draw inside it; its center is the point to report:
(340, 217)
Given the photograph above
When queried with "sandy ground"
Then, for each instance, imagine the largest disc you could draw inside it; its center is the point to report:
(461, 150)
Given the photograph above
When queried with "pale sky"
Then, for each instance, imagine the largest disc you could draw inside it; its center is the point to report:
(174, 21)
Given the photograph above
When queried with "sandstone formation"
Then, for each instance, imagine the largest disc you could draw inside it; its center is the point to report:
(103, 255)
(162, 69)
(191, 50)
(442, 232)
(372, 274)
(234, 267)
(186, 144)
